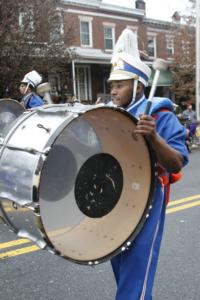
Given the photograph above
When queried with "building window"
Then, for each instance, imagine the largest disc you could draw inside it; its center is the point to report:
(109, 37)
(83, 82)
(151, 45)
(54, 80)
(26, 20)
(56, 28)
(186, 48)
(86, 33)
(170, 46)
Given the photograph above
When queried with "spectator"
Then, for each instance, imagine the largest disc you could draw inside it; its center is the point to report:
(189, 116)
(66, 96)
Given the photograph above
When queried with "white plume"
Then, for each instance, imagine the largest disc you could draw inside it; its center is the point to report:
(127, 42)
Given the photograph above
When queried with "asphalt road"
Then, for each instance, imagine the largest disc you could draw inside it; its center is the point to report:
(178, 274)
(43, 276)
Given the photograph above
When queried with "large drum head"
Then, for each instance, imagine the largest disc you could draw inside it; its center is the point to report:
(96, 186)
(10, 110)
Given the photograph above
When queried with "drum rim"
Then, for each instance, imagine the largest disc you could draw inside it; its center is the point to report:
(143, 217)
(12, 100)
(25, 114)
(149, 202)
(5, 218)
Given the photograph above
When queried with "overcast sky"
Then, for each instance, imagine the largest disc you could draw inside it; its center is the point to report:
(157, 9)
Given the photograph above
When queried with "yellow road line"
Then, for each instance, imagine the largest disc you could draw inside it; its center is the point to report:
(11, 209)
(14, 243)
(18, 252)
(183, 200)
(35, 248)
(182, 207)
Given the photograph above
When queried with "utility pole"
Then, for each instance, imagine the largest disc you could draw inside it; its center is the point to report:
(198, 59)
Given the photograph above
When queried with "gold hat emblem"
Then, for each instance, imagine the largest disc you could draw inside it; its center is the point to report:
(118, 65)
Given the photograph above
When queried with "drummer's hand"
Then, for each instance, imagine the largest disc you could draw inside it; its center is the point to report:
(146, 126)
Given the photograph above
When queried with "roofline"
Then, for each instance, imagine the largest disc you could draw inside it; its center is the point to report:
(86, 58)
(123, 10)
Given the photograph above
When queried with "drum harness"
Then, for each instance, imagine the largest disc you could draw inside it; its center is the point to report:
(166, 179)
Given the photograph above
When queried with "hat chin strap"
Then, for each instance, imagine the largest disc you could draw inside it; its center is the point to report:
(25, 91)
(135, 85)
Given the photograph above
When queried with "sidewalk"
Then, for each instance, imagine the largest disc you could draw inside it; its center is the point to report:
(195, 146)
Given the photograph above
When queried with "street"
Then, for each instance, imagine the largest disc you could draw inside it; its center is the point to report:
(27, 273)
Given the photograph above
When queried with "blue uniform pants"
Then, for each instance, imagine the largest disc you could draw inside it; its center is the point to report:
(135, 268)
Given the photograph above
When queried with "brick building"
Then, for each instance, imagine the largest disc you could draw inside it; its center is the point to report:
(97, 26)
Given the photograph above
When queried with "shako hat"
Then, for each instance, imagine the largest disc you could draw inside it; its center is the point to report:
(32, 78)
(126, 62)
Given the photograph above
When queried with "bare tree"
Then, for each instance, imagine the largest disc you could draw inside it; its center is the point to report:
(183, 66)
(33, 35)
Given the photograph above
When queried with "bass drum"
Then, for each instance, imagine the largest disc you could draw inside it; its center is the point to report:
(10, 110)
(77, 180)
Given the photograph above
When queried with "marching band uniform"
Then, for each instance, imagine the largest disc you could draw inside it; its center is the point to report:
(135, 268)
(31, 99)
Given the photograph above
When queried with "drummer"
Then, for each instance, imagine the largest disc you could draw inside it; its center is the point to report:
(28, 84)
(135, 268)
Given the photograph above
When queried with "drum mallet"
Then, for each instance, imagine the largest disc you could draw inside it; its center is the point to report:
(158, 65)
(43, 90)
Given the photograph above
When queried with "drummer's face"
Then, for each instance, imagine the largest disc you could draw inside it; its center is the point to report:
(23, 88)
(122, 92)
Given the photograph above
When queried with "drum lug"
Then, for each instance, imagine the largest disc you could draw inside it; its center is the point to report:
(93, 263)
(22, 233)
(76, 115)
(33, 207)
(47, 129)
(46, 151)
(126, 247)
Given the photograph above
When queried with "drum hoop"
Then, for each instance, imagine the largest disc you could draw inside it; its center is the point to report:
(13, 101)
(6, 220)
(149, 201)
(12, 130)
(10, 99)
(144, 216)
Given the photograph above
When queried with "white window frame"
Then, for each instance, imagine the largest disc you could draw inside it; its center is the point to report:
(111, 26)
(87, 85)
(22, 16)
(153, 37)
(55, 82)
(185, 45)
(89, 21)
(170, 45)
(60, 31)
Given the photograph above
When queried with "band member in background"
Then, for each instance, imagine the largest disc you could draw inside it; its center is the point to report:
(135, 268)
(28, 84)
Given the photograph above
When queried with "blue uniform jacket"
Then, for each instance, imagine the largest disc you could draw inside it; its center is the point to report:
(135, 268)
(167, 124)
(32, 100)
